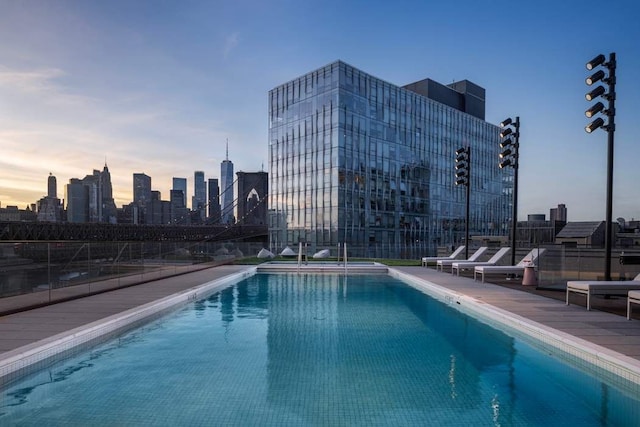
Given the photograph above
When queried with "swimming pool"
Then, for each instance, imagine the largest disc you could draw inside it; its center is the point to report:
(289, 349)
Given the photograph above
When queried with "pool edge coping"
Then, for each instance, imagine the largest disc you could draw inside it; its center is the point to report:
(609, 360)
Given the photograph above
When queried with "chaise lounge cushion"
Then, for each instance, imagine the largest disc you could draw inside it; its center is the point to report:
(529, 259)
(602, 287)
(434, 259)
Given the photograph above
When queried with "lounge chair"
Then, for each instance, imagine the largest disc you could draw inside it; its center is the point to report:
(517, 269)
(602, 287)
(447, 262)
(434, 259)
(633, 297)
(464, 265)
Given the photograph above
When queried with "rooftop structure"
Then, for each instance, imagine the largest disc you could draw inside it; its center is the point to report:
(357, 160)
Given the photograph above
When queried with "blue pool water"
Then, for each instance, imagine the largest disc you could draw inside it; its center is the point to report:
(299, 350)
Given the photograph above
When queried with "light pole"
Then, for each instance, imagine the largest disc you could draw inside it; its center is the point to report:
(510, 157)
(610, 127)
(463, 177)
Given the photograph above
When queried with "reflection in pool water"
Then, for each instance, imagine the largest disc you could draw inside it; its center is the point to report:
(278, 349)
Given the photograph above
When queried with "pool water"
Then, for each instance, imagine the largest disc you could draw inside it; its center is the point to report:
(296, 350)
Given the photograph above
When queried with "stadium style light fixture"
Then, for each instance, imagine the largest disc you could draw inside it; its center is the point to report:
(595, 77)
(609, 94)
(506, 131)
(598, 60)
(597, 107)
(599, 91)
(509, 158)
(505, 122)
(597, 123)
(463, 177)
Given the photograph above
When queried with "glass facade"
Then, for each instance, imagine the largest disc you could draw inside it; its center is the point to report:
(356, 160)
(226, 196)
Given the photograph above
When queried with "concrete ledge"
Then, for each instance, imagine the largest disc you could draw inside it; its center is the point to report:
(322, 267)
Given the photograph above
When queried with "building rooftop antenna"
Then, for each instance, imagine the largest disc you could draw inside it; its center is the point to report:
(227, 149)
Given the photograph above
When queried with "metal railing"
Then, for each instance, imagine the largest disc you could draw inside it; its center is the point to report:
(38, 273)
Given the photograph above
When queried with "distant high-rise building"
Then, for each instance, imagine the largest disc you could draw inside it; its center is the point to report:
(94, 187)
(199, 200)
(226, 183)
(49, 208)
(52, 186)
(180, 184)
(253, 188)
(109, 211)
(179, 214)
(213, 200)
(77, 201)
(141, 195)
(158, 211)
(141, 188)
(93, 203)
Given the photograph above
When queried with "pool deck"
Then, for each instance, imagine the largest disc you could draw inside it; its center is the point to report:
(608, 330)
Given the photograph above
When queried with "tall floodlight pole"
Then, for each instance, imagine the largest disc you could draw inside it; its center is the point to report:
(610, 112)
(510, 157)
(463, 177)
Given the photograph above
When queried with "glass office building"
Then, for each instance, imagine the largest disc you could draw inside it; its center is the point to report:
(357, 160)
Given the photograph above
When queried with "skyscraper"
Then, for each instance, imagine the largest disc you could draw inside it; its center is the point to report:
(213, 201)
(141, 189)
(226, 183)
(199, 200)
(77, 201)
(109, 212)
(180, 184)
(49, 207)
(141, 196)
(94, 201)
(52, 186)
(357, 160)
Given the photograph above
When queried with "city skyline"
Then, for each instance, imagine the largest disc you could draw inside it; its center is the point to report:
(159, 88)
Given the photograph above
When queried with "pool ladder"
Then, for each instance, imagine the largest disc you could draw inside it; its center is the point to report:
(345, 255)
(300, 255)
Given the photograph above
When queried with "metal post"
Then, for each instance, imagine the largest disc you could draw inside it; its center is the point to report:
(49, 268)
(516, 161)
(466, 235)
(610, 129)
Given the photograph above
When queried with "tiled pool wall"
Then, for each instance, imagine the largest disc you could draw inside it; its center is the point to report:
(622, 370)
(31, 358)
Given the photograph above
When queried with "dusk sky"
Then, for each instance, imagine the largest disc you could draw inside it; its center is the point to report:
(158, 87)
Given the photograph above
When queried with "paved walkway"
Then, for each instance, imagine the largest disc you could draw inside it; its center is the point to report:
(19, 329)
(608, 330)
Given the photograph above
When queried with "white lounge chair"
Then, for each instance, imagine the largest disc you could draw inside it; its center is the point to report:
(633, 297)
(602, 287)
(434, 259)
(473, 258)
(528, 259)
(464, 265)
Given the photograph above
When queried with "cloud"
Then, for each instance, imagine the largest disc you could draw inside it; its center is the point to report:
(39, 87)
(230, 43)
(29, 81)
